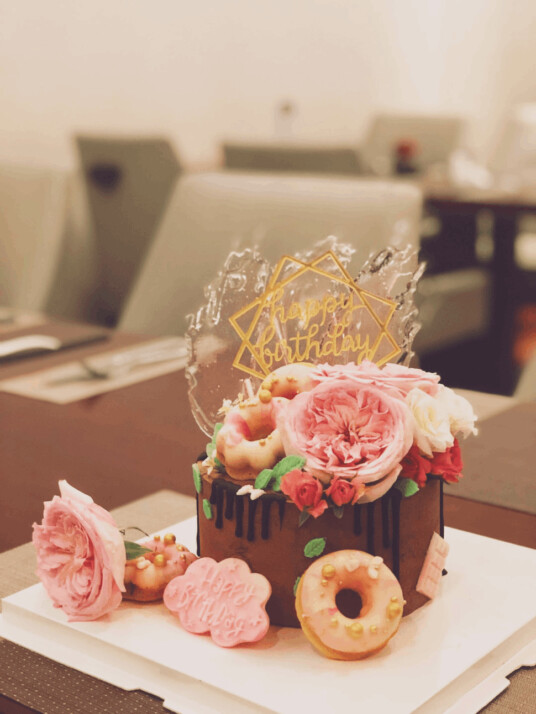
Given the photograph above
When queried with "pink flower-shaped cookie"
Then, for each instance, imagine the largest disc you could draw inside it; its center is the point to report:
(225, 599)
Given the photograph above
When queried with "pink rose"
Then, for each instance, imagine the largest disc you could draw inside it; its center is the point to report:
(395, 378)
(342, 492)
(350, 430)
(305, 491)
(415, 466)
(80, 555)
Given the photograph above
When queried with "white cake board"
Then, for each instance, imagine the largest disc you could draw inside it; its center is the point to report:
(452, 655)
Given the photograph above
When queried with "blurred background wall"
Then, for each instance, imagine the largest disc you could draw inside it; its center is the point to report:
(211, 69)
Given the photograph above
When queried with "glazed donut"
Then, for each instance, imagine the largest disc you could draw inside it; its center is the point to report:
(287, 381)
(147, 576)
(248, 441)
(333, 634)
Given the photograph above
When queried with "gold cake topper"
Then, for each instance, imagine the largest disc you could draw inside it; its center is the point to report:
(323, 328)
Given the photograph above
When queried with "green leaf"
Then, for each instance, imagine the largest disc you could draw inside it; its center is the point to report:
(314, 547)
(197, 477)
(217, 428)
(218, 464)
(296, 583)
(134, 550)
(207, 508)
(304, 516)
(264, 478)
(210, 449)
(338, 511)
(406, 486)
(289, 463)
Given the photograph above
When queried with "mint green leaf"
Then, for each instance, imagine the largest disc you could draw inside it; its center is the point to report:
(197, 477)
(314, 547)
(207, 508)
(218, 464)
(217, 428)
(210, 449)
(134, 550)
(304, 516)
(338, 511)
(289, 463)
(264, 478)
(276, 486)
(406, 486)
(296, 583)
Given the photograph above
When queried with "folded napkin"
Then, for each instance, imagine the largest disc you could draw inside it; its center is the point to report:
(71, 382)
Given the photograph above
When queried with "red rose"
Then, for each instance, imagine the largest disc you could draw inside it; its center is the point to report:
(305, 491)
(343, 492)
(449, 464)
(415, 466)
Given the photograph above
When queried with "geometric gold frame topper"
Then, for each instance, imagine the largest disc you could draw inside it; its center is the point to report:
(337, 322)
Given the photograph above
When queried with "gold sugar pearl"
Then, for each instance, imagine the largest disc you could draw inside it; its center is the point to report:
(323, 583)
(183, 557)
(265, 396)
(156, 538)
(393, 610)
(262, 442)
(373, 629)
(179, 547)
(334, 622)
(394, 598)
(159, 560)
(328, 571)
(169, 539)
(242, 405)
(355, 630)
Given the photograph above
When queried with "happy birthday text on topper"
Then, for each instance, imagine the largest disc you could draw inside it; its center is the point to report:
(312, 333)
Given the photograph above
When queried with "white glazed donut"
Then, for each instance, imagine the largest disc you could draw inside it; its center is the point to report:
(333, 634)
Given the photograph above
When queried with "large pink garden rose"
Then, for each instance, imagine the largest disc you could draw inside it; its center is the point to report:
(351, 430)
(80, 555)
(394, 378)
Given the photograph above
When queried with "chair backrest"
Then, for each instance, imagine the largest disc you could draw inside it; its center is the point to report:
(210, 214)
(516, 148)
(129, 181)
(290, 156)
(436, 138)
(32, 211)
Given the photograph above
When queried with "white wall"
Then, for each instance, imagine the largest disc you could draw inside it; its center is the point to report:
(200, 70)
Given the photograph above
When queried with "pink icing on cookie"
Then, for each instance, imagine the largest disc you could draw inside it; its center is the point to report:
(225, 599)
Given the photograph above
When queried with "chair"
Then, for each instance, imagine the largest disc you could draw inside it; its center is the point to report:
(128, 183)
(525, 389)
(290, 156)
(32, 211)
(436, 138)
(210, 214)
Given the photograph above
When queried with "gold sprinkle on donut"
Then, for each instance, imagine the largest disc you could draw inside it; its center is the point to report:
(262, 442)
(334, 622)
(242, 405)
(328, 571)
(275, 380)
(179, 547)
(183, 557)
(265, 395)
(394, 598)
(355, 630)
(156, 538)
(170, 538)
(393, 610)
(323, 582)
(373, 629)
(159, 560)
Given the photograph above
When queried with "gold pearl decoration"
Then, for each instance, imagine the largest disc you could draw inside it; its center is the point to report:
(183, 557)
(328, 571)
(373, 628)
(393, 610)
(265, 396)
(262, 442)
(323, 582)
(355, 630)
(157, 538)
(334, 622)
(159, 560)
(169, 539)
(394, 598)
(179, 547)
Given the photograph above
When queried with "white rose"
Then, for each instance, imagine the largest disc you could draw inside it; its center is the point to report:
(432, 423)
(461, 415)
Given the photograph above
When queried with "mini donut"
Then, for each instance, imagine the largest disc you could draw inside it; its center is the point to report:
(248, 441)
(333, 634)
(146, 577)
(287, 381)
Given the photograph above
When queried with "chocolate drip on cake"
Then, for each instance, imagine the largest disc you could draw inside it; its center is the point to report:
(386, 536)
(216, 498)
(357, 520)
(252, 509)
(441, 515)
(229, 505)
(395, 497)
(370, 527)
(239, 528)
(266, 504)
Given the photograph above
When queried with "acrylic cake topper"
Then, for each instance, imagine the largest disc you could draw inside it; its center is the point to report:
(306, 309)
